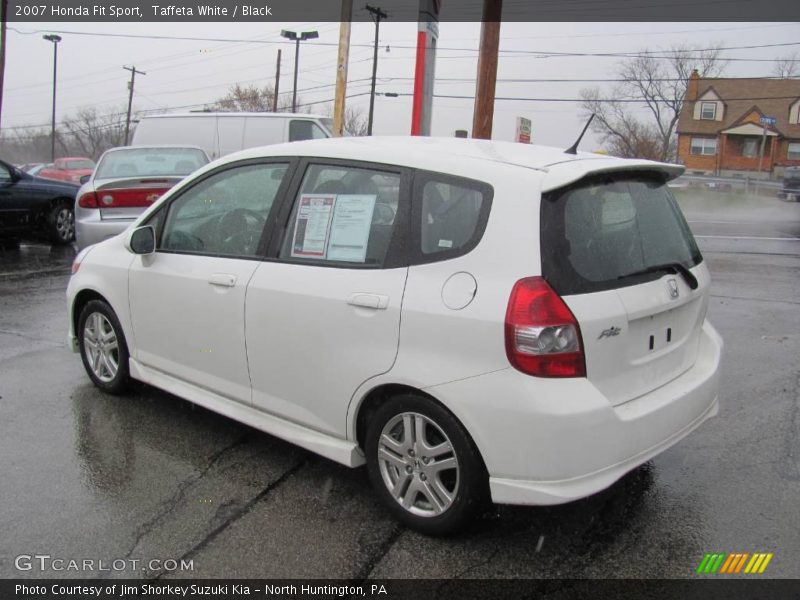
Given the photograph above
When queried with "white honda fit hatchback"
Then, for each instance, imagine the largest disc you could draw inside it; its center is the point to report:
(473, 320)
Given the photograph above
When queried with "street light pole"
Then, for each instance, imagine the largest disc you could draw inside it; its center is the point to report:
(302, 37)
(296, 63)
(55, 39)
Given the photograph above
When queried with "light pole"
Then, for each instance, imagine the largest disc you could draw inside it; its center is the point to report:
(52, 37)
(302, 37)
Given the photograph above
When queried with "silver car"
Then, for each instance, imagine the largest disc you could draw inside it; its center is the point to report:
(125, 182)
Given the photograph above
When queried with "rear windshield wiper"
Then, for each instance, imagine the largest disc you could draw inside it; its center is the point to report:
(673, 267)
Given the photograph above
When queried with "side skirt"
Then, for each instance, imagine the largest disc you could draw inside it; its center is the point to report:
(336, 449)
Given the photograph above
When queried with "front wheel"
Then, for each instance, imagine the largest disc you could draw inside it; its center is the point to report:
(61, 223)
(104, 351)
(424, 465)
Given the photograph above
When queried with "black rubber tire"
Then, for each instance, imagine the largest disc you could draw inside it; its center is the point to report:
(121, 381)
(9, 243)
(56, 232)
(472, 493)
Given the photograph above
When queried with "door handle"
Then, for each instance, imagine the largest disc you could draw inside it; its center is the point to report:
(222, 280)
(376, 301)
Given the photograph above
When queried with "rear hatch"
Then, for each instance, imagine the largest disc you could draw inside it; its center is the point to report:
(617, 249)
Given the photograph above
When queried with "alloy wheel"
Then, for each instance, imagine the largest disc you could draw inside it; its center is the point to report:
(65, 224)
(418, 464)
(101, 347)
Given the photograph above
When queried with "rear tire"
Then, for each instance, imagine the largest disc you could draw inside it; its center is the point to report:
(9, 243)
(424, 465)
(103, 349)
(61, 223)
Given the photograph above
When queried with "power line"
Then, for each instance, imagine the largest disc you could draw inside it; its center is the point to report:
(633, 54)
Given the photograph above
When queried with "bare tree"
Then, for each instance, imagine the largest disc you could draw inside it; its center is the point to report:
(251, 98)
(89, 133)
(655, 81)
(86, 133)
(355, 121)
(787, 67)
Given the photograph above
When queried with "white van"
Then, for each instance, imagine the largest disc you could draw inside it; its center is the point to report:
(220, 133)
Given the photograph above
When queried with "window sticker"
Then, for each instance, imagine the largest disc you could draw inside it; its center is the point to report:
(350, 227)
(312, 226)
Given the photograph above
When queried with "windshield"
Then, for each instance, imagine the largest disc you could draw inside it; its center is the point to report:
(327, 123)
(150, 162)
(605, 232)
(80, 164)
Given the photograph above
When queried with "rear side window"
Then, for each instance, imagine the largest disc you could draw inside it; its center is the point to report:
(601, 232)
(450, 214)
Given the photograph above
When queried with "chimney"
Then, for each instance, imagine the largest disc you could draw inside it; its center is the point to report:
(691, 89)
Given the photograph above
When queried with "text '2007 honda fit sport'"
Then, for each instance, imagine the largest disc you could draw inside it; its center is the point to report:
(473, 320)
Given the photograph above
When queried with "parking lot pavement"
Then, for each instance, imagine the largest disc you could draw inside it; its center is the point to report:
(150, 477)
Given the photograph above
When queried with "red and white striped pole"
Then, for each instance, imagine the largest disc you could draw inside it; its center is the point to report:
(424, 71)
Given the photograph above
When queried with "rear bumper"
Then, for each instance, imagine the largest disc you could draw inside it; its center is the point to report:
(92, 230)
(550, 441)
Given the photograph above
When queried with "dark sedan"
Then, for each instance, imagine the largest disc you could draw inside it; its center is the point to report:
(34, 207)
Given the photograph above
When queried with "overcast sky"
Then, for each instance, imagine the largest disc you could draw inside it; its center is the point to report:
(184, 73)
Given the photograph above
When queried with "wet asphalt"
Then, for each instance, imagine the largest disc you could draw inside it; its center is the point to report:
(150, 477)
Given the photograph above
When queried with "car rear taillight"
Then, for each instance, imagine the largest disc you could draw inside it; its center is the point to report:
(88, 200)
(542, 336)
(135, 198)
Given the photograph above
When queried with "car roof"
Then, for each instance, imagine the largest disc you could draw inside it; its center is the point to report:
(442, 154)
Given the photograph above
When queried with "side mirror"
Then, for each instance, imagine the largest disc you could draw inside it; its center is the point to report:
(84, 178)
(142, 240)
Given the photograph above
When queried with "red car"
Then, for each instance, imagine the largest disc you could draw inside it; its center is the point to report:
(71, 169)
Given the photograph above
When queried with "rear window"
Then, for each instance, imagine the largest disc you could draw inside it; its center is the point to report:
(601, 232)
(150, 162)
(79, 164)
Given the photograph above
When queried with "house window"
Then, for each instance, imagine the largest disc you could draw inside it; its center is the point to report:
(750, 147)
(704, 146)
(793, 153)
(708, 110)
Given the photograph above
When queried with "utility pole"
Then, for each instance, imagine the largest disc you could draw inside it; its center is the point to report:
(277, 83)
(483, 112)
(130, 98)
(3, 14)
(55, 39)
(377, 14)
(341, 68)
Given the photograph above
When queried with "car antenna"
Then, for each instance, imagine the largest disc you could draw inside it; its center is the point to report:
(574, 148)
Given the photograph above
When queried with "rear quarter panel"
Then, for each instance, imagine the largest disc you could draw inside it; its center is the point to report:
(439, 344)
